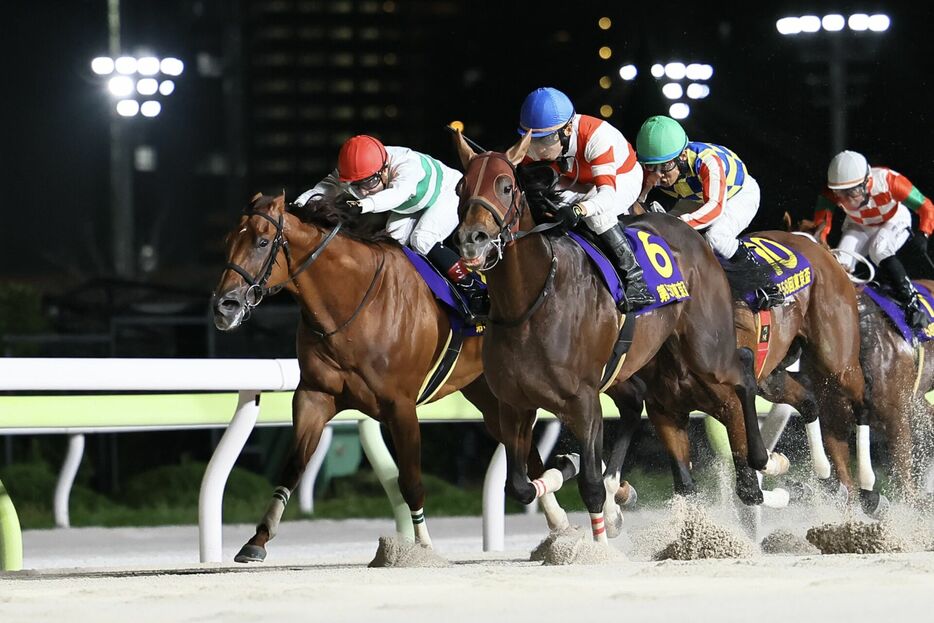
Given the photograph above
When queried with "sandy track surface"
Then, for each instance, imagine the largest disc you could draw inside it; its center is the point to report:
(317, 571)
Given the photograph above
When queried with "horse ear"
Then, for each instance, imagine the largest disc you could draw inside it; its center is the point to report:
(278, 204)
(517, 152)
(464, 151)
(256, 198)
(787, 221)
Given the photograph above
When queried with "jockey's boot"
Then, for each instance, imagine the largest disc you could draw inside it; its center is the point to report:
(905, 293)
(637, 293)
(468, 285)
(769, 295)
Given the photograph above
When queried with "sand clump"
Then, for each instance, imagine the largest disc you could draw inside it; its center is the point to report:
(697, 536)
(788, 543)
(396, 552)
(855, 537)
(573, 546)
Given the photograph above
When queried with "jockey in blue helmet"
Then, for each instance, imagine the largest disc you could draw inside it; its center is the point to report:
(598, 175)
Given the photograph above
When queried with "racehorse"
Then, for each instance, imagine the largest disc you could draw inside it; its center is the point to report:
(898, 374)
(553, 326)
(368, 335)
(820, 323)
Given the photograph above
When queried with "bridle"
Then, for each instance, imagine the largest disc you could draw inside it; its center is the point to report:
(258, 289)
(509, 231)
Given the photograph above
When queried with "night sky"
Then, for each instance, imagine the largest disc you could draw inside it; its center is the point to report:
(767, 103)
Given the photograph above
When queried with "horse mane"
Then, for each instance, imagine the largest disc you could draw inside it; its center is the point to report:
(327, 212)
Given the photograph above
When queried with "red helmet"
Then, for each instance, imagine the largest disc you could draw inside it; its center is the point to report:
(360, 157)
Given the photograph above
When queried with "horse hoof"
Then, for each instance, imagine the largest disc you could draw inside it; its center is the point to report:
(569, 465)
(874, 504)
(251, 553)
(778, 465)
(614, 525)
(627, 496)
(776, 498)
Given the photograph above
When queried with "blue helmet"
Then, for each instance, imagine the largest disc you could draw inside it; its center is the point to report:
(544, 111)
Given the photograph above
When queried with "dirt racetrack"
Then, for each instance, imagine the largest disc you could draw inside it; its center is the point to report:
(316, 571)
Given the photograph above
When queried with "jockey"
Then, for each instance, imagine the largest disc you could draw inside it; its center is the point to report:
(598, 176)
(420, 193)
(716, 195)
(876, 202)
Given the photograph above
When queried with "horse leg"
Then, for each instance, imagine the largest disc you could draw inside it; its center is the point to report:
(403, 428)
(586, 423)
(629, 399)
(672, 431)
(311, 411)
(479, 394)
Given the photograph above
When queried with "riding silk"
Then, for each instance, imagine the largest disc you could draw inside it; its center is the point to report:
(662, 274)
(887, 190)
(896, 313)
(714, 174)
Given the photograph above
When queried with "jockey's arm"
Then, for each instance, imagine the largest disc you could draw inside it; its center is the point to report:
(402, 186)
(329, 187)
(713, 181)
(905, 192)
(823, 215)
(603, 167)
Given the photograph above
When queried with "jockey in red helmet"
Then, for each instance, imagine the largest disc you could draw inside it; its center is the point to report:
(420, 193)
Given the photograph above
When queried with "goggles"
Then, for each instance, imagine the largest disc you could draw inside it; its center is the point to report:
(851, 193)
(661, 167)
(369, 183)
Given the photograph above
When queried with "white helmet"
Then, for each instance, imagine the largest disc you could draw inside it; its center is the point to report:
(846, 170)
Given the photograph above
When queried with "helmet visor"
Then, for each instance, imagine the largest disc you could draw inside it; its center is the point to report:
(368, 183)
(851, 193)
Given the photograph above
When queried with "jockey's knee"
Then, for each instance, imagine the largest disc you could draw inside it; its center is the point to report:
(724, 245)
(880, 250)
(601, 223)
(423, 241)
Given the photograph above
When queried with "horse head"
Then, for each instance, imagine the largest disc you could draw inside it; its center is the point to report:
(491, 202)
(253, 251)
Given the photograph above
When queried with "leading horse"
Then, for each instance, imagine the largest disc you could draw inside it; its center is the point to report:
(369, 333)
(553, 326)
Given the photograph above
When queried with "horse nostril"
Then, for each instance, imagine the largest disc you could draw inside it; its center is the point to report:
(228, 304)
(478, 236)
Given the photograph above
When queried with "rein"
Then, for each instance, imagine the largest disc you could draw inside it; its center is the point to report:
(257, 286)
(509, 233)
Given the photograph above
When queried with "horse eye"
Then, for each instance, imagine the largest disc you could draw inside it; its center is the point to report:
(263, 242)
(507, 189)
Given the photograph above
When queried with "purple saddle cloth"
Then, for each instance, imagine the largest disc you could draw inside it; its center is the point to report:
(896, 314)
(444, 292)
(662, 274)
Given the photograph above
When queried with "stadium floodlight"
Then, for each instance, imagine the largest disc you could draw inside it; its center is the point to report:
(672, 90)
(694, 71)
(148, 66)
(628, 72)
(102, 65)
(120, 86)
(172, 66)
(708, 72)
(125, 65)
(679, 110)
(150, 108)
(675, 70)
(809, 23)
(147, 86)
(697, 91)
(858, 22)
(833, 22)
(879, 22)
(658, 70)
(127, 108)
(788, 25)
(166, 87)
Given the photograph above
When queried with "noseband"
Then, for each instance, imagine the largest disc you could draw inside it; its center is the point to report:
(257, 289)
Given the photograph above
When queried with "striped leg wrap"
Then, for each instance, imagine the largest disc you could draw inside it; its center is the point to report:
(418, 517)
(596, 524)
(282, 494)
(540, 488)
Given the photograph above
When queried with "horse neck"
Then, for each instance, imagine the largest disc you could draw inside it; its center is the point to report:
(517, 280)
(333, 286)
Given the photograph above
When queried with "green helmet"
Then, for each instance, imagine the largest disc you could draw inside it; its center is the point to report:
(660, 139)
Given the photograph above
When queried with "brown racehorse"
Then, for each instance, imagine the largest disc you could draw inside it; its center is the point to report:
(553, 326)
(898, 375)
(820, 323)
(369, 333)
